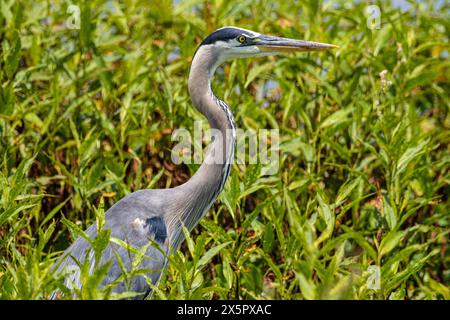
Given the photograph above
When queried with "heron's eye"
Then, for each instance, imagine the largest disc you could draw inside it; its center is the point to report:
(241, 39)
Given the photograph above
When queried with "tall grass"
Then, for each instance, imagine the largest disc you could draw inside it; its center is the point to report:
(362, 185)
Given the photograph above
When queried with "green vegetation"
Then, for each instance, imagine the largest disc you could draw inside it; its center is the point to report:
(87, 115)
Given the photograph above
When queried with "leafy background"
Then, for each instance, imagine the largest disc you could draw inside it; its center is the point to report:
(86, 117)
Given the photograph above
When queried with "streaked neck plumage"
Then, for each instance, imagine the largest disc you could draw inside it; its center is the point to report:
(206, 184)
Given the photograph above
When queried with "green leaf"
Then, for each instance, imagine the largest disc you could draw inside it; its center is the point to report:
(44, 237)
(398, 294)
(256, 71)
(390, 241)
(410, 154)
(341, 289)
(91, 282)
(403, 275)
(306, 286)
(11, 212)
(12, 55)
(440, 288)
(189, 241)
(55, 210)
(228, 273)
(211, 253)
(100, 214)
(327, 215)
(268, 240)
(336, 118)
(155, 179)
(402, 255)
(389, 213)
(100, 243)
(197, 281)
(349, 234)
(75, 230)
(346, 189)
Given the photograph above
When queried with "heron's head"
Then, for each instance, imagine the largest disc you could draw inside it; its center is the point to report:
(231, 42)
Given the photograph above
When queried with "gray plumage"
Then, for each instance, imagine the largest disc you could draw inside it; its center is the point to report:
(153, 218)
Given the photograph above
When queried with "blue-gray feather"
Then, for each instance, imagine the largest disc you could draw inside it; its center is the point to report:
(136, 219)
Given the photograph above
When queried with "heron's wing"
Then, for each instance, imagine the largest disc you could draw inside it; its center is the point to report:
(136, 226)
(149, 235)
(73, 257)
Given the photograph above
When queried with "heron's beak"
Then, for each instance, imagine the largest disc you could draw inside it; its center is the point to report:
(277, 44)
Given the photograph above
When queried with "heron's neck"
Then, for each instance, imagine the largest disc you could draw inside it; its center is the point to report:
(207, 183)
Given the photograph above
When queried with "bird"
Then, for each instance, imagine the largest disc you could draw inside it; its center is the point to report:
(157, 216)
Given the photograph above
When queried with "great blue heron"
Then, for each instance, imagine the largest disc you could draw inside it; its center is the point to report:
(158, 214)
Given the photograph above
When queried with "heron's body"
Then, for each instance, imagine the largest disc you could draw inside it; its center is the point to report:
(155, 216)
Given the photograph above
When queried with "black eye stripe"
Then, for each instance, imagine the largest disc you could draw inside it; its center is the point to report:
(226, 34)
